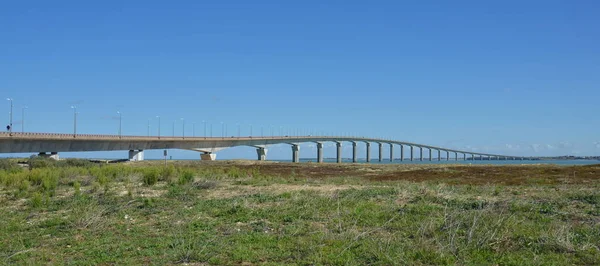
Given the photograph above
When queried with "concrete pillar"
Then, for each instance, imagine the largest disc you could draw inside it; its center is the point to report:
(439, 155)
(319, 152)
(368, 151)
(447, 156)
(136, 155)
(339, 152)
(354, 155)
(401, 152)
(296, 153)
(411, 153)
(421, 153)
(380, 151)
(208, 156)
(480, 157)
(262, 153)
(455, 156)
(430, 156)
(472, 156)
(464, 156)
(391, 152)
(53, 155)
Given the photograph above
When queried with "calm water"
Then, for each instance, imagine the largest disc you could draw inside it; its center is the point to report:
(509, 162)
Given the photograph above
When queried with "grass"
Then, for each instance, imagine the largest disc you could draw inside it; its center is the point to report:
(240, 213)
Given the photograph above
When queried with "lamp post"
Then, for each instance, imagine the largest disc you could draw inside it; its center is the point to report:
(11, 114)
(183, 128)
(250, 130)
(203, 121)
(74, 120)
(158, 126)
(222, 130)
(239, 130)
(120, 123)
(23, 118)
(148, 127)
(194, 129)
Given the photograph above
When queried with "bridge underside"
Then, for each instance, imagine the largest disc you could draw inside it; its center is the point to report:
(38, 143)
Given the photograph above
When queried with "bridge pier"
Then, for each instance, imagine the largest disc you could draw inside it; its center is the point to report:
(430, 154)
(208, 156)
(319, 152)
(295, 153)
(262, 154)
(368, 151)
(411, 153)
(380, 151)
(339, 152)
(391, 152)
(421, 153)
(354, 155)
(455, 156)
(447, 156)
(52, 155)
(439, 155)
(136, 155)
(401, 152)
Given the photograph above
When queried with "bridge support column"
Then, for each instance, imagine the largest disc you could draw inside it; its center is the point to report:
(136, 155)
(421, 153)
(52, 155)
(296, 153)
(401, 152)
(368, 151)
(430, 154)
(447, 156)
(480, 157)
(261, 153)
(208, 156)
(339, 152)
(456, 156)
(439, 155)
(380, 151)
(391, 153)
(464, 156)
(354, 155)
(412, 155)
(319, 152)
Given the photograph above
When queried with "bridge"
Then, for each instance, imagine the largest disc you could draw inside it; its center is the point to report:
(50, 144)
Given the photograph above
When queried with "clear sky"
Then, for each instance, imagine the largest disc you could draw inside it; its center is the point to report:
(511, 77)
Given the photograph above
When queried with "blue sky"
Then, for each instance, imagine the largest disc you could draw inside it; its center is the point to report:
(513, 77)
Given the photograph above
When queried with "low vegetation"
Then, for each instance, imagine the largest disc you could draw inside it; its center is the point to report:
(77, 212)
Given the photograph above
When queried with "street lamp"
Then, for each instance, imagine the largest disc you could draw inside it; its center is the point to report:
(158, 126)
(239, 130)
(222, 130)
(250, 130)
(23, 118)
(194, 129)
(203, 121)
(148, 127)
(74, 120)
(173, 128)
(183, 128)
(120, 123)
(11, 114)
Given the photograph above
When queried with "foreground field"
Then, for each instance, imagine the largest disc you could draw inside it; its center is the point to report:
(74, 212)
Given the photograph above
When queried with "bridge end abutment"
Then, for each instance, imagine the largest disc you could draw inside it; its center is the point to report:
(208, 156)
(136, 155)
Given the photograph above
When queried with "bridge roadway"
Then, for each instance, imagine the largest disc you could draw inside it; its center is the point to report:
(49, 144)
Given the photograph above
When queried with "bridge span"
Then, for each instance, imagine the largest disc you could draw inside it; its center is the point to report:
(50, 144)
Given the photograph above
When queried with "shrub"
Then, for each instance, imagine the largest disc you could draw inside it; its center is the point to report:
(150, 177)
(9, 165)
(186, 176)
(36, 200)
(77, 188)
(72, 162)
(168, 172)
(41, 162)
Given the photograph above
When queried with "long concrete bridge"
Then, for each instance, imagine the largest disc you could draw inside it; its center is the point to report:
(50, 144)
